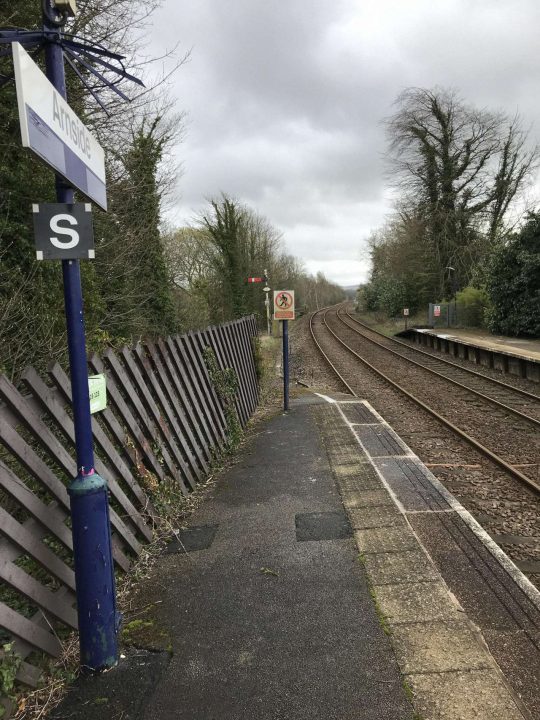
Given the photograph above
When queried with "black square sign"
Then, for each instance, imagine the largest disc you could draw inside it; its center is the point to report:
(63, 231)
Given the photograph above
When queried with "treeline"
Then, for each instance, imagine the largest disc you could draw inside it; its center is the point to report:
(145, 281)
(209, 264)
(460, 225)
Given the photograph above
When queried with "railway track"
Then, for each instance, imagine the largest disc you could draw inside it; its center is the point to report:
(489, 396)
(502, 392)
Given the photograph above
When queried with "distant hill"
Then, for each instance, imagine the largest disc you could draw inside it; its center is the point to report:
(350, 290)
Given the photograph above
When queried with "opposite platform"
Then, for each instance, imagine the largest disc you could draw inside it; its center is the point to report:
(515, 356)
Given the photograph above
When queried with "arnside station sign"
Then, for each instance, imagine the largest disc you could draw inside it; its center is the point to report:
(51, 129)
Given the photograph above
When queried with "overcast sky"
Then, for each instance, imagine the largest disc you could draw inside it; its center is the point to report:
(285, 100)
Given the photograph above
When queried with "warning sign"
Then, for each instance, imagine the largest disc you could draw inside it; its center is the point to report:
(437, 311)
(406, 312)
(284, 305)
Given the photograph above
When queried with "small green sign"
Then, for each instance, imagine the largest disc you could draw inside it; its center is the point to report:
(97, 386)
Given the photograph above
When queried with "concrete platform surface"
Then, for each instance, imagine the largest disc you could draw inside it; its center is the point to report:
(464, 621)
(521, 347)
(331, 577)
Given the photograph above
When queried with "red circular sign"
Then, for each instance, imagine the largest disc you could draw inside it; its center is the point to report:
(283, 300)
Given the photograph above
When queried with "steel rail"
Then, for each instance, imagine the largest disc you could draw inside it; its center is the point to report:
(510, 469)
(498, 403)
(519, 391)
(325, 356)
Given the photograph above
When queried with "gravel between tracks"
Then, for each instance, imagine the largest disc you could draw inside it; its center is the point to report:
(498, 501)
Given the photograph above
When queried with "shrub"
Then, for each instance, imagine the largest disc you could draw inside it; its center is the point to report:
(473, 304)
(513, 283)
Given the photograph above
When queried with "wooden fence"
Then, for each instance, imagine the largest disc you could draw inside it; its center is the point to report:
(164, 420)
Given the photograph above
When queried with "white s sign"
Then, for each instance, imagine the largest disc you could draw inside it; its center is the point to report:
(57, 228)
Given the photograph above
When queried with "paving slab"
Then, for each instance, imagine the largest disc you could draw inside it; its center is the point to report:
(438, 647)
(463, 696)
(385, 540)
(362, 518)
(370, 499)
(417, 602)
(411, 566)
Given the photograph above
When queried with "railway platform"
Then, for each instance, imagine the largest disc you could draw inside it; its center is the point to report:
(330, 575)
(514, 356)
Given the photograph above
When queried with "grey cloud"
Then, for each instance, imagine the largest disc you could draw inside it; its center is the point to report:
(286, 99)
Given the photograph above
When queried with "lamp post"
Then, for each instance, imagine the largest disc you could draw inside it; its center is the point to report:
(90, 524)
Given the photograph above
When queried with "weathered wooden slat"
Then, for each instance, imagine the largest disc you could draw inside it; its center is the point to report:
(29, 459)
(31, 420)
(26, 674)
(240, 363)
(134, 392)
(9, 552)
(65, 423)
(242, 328)
(244, 334)
(179, 406)
(44, 475)
(113, 392)
(195, 410)
(243, 359)
(119, 550)
(232, 362)
(210, 338)
(197, 343)
(195, 381)
(32, 545)
(50, 516)
(248, 337)
(103, 442)
(224, 358)
(38, 593)
(28, 631)
(174, 434)
(23, 648)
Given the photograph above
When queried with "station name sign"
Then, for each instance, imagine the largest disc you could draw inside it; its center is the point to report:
(51, 129)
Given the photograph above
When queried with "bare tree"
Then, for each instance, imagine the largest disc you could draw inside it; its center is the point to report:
(460, 168)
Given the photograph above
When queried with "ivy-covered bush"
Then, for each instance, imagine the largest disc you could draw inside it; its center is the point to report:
(513, 283)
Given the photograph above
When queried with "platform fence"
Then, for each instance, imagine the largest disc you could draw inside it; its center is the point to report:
(165, 422)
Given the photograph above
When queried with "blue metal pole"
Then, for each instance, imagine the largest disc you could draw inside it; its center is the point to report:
(92, 549)
(285, 364)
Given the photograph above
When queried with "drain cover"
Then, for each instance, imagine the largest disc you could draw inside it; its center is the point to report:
(322, 526)
(192, 539)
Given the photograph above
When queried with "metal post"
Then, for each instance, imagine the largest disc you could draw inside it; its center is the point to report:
(285, 324)
(92, 550)
(268, 325)
(267, 303)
